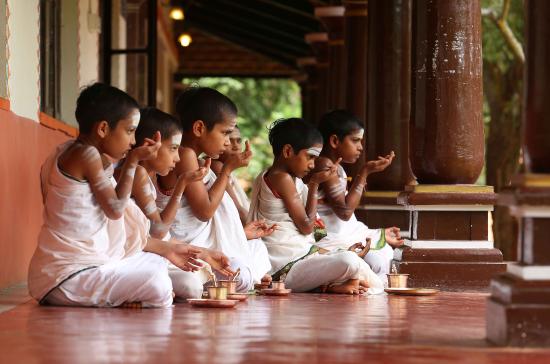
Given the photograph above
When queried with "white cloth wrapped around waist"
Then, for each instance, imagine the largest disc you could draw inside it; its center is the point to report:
(286, 244)
(223, 232)
(75, 234)
(341, 234)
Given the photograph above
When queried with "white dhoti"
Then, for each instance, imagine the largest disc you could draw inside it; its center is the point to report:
(239, 192)
(341, 234)
(337, 267)
(223, 232)
(293, 253)
(81, 254)
(185, 284)
(143, 277)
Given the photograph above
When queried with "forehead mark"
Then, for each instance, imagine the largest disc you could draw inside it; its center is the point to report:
(176, 139)
(359, 133)
(314, 151)
(134, 118)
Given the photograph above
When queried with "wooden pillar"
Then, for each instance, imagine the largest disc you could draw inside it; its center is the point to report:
(356, 43)
(333, 19)
(518, 310)
(309, 85)
(319, 44)
(389, 95)
(449, 244)
(301, 80)
(356, 80)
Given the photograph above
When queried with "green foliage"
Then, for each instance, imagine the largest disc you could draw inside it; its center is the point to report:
(495, 48)
(498, 57)
(260, 101)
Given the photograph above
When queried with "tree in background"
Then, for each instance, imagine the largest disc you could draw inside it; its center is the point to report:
(260, 102)
(503, 62)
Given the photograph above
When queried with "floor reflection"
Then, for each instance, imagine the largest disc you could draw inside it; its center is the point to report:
(448, 327)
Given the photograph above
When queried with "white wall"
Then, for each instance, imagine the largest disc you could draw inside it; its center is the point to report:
(69, 60)
(3, 50)
(24, 57)
(118, 68)
(89, 41)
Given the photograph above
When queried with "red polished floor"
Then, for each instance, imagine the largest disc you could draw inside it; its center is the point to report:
(308, 328)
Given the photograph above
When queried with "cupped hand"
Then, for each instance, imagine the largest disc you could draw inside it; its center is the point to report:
(325, 174)
(258, 229)
(148, 150)
(184, 256)
(238, 160)
(379, 164)
(393, 237)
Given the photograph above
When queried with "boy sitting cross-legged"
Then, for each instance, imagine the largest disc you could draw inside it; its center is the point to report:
(81, 258)
(343, 136)
(279, 196)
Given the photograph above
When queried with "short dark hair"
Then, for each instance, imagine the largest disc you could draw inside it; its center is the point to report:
(153, 120)
(296, 132)
(99, 102)
(203, 103)
(340, 123)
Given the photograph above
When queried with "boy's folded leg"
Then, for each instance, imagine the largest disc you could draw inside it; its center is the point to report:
(245, 280)
(324, 269)
(380, 261)
(142, 277)
(187, 284)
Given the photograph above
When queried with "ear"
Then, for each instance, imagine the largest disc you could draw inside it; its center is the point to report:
(333, 141)
(199, 128)
(102, 129)
(287, 151)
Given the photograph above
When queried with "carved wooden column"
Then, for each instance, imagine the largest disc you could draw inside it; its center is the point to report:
(333, 19)
(319, 44)
(309, 86)
(356, 26)
(389, 94)
(356, 42)
(518, 311)
(449, 244)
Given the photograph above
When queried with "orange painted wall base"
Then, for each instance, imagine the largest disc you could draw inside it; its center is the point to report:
(24, 146)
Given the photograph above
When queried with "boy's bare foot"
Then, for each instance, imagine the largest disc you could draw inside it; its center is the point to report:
(351, 286)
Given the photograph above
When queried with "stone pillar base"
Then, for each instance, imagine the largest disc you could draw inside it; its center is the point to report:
(518, 311)
(450, 269)
(448, 245)
(379, 209)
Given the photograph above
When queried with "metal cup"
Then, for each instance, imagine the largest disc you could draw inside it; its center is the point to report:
(396, 280)
(278, 285)
(230, 285)
(217, 293)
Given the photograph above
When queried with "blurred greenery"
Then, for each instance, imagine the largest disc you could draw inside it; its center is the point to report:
(260, 101)
(502, 103)
(498, 61)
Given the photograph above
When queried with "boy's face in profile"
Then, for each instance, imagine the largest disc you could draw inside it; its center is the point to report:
(303, 162)
(215, 141)
(235, 144)
(167, 156)
(350, 147)
(117, 142)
